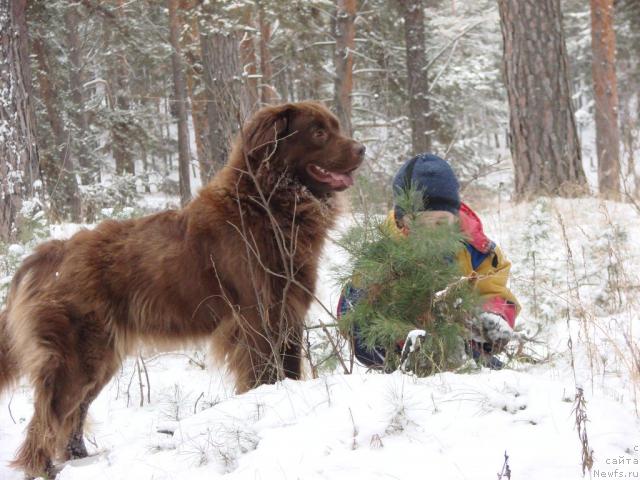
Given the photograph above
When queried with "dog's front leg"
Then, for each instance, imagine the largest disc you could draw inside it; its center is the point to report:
(291, 354)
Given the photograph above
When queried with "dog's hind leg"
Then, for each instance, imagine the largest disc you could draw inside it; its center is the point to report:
(48, 344)
(54, 401)
(75, 447)
(62, 399)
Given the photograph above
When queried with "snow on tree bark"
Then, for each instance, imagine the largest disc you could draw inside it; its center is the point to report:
(250, 97)
(544, 141)
(19, 163)
(222, 71)
(267, 93)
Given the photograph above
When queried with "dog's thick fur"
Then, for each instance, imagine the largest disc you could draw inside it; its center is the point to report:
(237, 264)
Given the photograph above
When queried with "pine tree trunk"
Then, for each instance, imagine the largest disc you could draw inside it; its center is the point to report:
(50, 167)
(160, 125)
(267, 92)
(345, 33)
(89, 172)
(417, 79)
(627, 16)
(250, 97)
(221, 63)
(181, 104)
(19, 164)
(200, 126)
(196, 91)
(603, 63)
(119, 88)
(59, 174)
(543, 135)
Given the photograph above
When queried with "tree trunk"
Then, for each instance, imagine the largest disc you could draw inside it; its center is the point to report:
(417, 79)
(181, 104)
(250, 98)
(89, 171)
(345, 33)
(118, 86)
(267, 92)
(19, 165)
(60, 173)
(196, 90)
(543, 137)
(627, 18)
(603, 68)
(198, 102)
(221, 64)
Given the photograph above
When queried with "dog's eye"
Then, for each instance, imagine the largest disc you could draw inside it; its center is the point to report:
(320, 133)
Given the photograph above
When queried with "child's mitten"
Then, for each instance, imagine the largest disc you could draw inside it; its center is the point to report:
(495, 330)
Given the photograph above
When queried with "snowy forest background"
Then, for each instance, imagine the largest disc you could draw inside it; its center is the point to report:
(118, 108)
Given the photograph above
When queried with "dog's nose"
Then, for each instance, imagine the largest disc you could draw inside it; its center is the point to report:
(359, 149)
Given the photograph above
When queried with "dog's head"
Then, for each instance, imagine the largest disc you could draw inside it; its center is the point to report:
(302, 140)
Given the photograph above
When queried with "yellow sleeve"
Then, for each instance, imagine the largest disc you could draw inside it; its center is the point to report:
(492, 275)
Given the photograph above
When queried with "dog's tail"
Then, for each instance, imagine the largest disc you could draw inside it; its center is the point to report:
(9, 371)
(26, 281)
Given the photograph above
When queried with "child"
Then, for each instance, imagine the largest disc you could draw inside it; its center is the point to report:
(478, 258)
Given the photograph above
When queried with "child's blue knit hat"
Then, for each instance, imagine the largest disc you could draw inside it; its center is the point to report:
(434, 177)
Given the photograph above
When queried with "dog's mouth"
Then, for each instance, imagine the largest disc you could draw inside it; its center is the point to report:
(334, 180)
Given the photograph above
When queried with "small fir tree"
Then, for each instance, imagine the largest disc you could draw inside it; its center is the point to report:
(410, 282)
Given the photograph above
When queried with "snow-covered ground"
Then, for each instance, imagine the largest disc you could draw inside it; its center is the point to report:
(579, 287)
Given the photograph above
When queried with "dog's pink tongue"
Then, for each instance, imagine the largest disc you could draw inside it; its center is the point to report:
(340, 180)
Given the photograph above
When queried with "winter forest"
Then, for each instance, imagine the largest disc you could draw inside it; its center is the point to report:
(114, 110)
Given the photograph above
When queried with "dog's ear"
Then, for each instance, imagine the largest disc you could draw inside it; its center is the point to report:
(265, 129)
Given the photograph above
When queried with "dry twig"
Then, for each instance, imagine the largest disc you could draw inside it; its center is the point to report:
(580, 411)
(506, 470)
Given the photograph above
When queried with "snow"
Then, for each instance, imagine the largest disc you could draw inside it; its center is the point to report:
(495, 326)
(360, 426)
(413, 339)
(412, 343)
(372, 425)
(575, 270)
(15, 249)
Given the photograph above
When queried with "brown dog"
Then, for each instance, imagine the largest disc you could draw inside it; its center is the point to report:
(238, 264)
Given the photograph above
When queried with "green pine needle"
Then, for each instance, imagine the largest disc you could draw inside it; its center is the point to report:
(401, 275)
